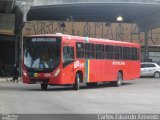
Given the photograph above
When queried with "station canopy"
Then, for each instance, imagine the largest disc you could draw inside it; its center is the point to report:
(142, 14)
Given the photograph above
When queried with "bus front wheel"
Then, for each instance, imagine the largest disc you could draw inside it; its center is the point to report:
(44, 86)
(77, 80)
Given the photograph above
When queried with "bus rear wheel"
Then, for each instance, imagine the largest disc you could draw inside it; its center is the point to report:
(118, 82)
(77, 81)
(44, 86)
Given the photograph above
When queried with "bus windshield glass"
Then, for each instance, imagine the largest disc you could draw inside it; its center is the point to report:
(42, 53)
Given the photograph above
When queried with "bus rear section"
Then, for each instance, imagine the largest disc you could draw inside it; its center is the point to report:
(109, 61)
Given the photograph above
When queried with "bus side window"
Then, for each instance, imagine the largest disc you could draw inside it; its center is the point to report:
(128, 53)
(112, 56)
(116, 52)
(138, 54)
(134, 53)
(107, 52)
(68, 55)
(100, 51)
(124, 53)
(120, 53)
(79, 50)
(89, 50)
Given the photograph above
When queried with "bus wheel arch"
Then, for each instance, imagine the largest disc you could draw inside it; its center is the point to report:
(80, 75)
(44, 86)
(78, 79)
(120, 71)
(119, 79)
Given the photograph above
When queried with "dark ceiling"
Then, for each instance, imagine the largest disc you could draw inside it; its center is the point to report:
(99, 12)
(6, 6)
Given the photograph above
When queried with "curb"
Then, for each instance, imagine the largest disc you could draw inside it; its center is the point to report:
(5, 79)
(8, 79)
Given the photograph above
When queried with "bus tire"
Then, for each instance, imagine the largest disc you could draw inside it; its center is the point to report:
(44, 86)
(77, 80)
(157, 74)
(118, 82)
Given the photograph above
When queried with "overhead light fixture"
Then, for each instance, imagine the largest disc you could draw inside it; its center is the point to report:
(119, 19)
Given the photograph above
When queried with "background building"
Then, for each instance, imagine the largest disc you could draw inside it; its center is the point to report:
(90, 18)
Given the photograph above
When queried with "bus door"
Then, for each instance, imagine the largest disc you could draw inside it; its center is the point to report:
(68, 64)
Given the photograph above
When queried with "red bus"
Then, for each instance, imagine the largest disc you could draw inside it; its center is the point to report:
(58, 59)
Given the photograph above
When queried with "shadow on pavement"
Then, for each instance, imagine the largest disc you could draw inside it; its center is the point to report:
(36, 87)
(70, 88)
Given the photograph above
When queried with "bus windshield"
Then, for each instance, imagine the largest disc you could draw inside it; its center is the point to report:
(41, 54)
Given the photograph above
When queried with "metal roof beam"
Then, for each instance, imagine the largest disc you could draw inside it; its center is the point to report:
(17, 0)
(7, 37)
(51, 2)
(149, 22)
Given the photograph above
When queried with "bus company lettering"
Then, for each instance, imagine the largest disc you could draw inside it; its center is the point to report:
(118, 63)
(77, 64)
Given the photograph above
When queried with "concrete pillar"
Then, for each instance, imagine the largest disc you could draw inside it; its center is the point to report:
(146, 46)
(16, 49)
(18, 31)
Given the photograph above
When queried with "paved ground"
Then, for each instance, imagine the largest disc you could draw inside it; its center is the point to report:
(138, 96)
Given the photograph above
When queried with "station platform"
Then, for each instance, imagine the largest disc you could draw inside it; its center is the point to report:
(6, 79)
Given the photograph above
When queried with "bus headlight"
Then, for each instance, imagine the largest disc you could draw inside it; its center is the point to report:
(24, 73)
(57, 72)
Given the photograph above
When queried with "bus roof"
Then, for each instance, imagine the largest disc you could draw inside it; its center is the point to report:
(79, 38)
